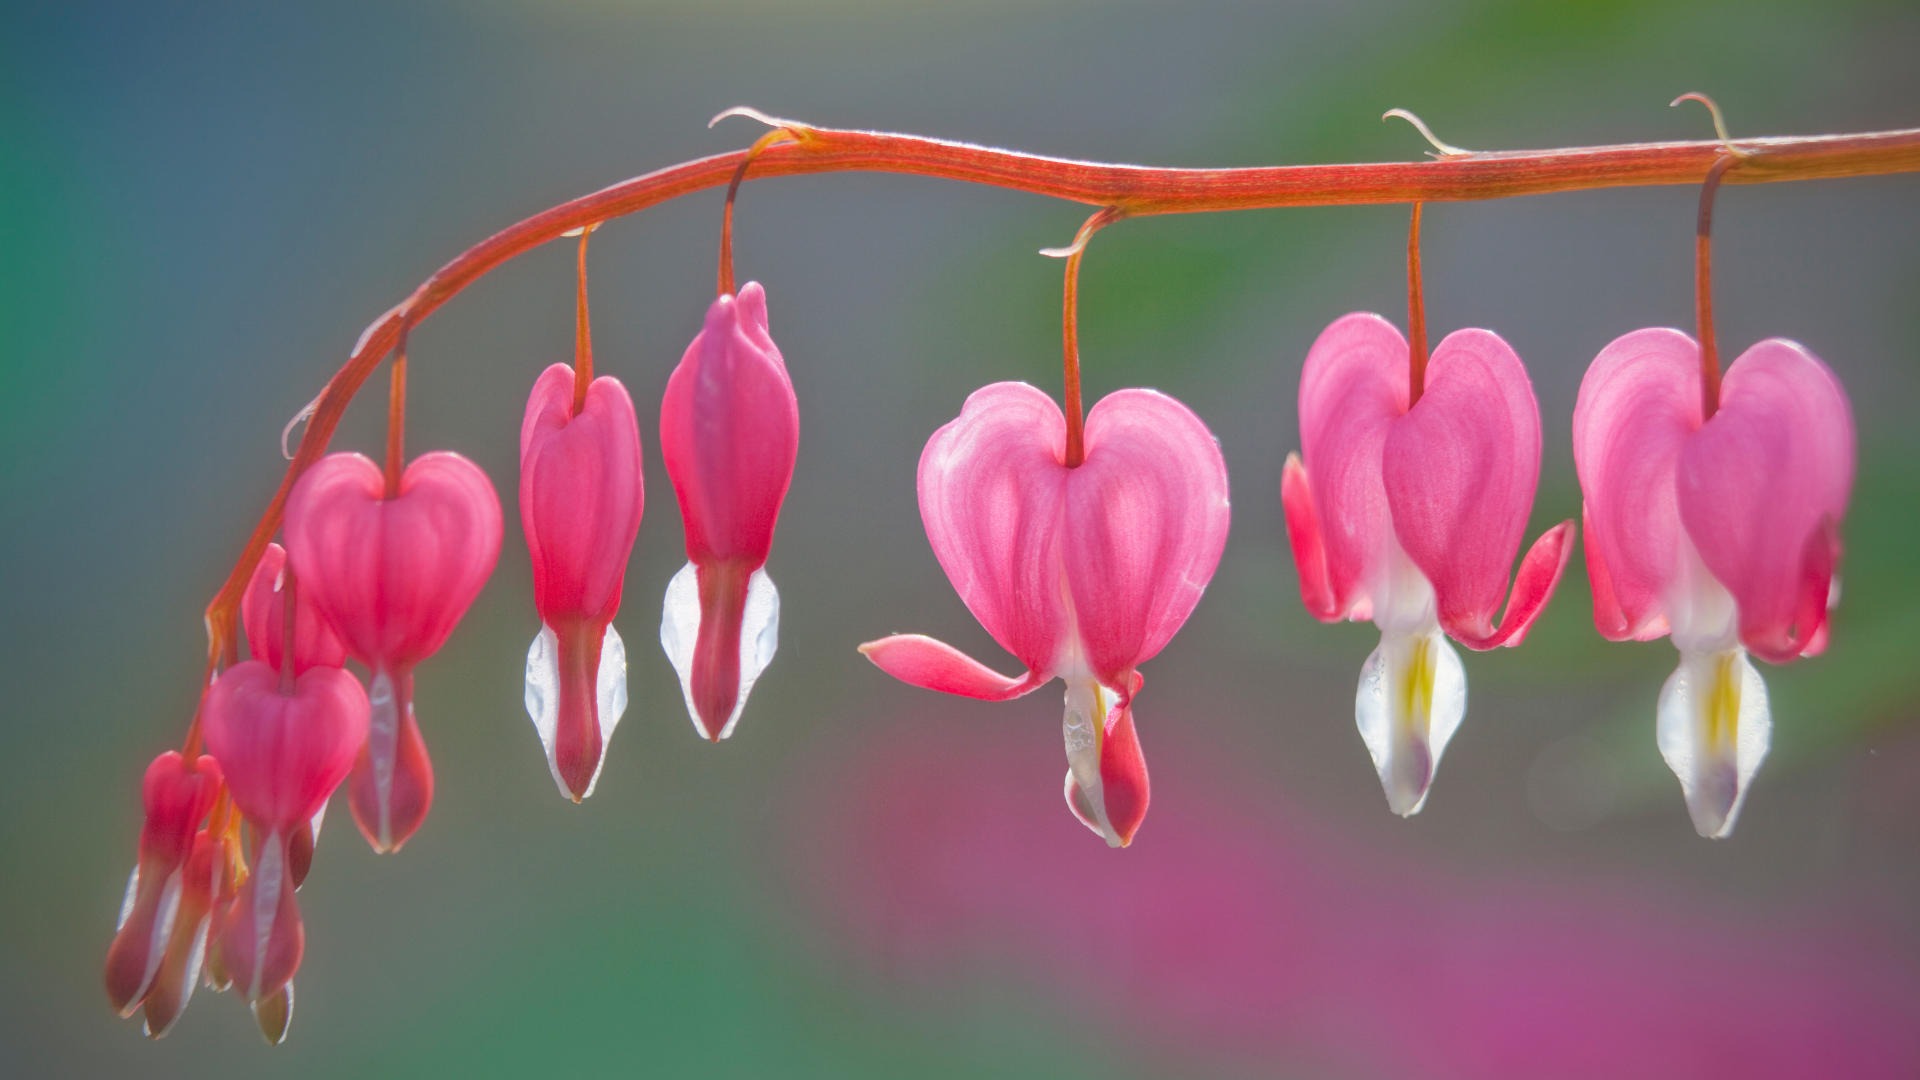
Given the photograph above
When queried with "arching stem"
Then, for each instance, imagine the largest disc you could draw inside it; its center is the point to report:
(1139, 190)
(1703, 288)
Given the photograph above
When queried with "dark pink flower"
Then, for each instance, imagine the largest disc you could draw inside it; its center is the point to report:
(581, 497)
(1722, 532)
(177, 794)
(729, 431)
(393, 575)
(1411, 516)
(283, 748)
(1082, 573)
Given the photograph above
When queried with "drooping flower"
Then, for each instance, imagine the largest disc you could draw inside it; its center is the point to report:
(1721, 531)
(729, 431)
(206, 883)
(1410, 515)
(581, 496)
(177, 794)
(263, 615)
(393, 575)
(283, 744)
(1082, 573)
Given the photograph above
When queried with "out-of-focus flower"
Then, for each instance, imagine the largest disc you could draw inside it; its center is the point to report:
(177, 794)
(1411, 515)
(729, 431)
(283, 744)
(1721, 531)
(581, 497)
(393, 575)
(1082, 573)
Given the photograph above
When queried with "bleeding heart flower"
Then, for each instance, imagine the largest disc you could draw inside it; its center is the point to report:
(393, 575)
(1721, 531)
(263, 614)
(284, 745)
(1411, 516)
(1082, 573)
(581, 496)
(205, 881)
(729, 431)
(177, 794)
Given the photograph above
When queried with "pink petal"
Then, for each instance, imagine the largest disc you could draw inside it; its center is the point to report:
(1460, 470)
(936, 665)
(581, 495)
(729, 432)
(393, 576)
(1639, 402)
(1761, 485)
(1352, 387)
(991, 490)
(1145, 520)
(263, 611)
(1309, 547)
(283, 754)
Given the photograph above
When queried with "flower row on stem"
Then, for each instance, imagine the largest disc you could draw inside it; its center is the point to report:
(1081, 540)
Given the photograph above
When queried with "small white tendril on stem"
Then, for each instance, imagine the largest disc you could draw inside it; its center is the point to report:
(1442, 149)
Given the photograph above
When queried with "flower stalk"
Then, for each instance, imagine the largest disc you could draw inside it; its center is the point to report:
(1136, 190)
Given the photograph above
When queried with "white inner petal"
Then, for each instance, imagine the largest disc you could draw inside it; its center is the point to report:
(543, 696)
(383, 744)
(1081, 724)
(268, 877)
(1411, 699)
(1413, 692)
(759, 636)
(1713, 730)
(126, 902)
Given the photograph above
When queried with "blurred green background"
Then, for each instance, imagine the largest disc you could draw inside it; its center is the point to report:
(201, 206)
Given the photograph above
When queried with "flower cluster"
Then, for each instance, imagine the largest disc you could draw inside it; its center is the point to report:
(1081, 544)
(379, 567)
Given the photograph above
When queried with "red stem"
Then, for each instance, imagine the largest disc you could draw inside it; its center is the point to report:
(1703, 288)
(1139, 190)
(733, 192)
(1070, 336)
(396, 421)
(289, 623)
(582, 329)
(1416, 315)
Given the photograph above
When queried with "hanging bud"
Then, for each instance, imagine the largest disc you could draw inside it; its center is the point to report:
(263, 614)
(393, 575)
(581, 496)
(729, 431)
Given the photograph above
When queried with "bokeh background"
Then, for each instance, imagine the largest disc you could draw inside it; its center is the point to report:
(201, 206)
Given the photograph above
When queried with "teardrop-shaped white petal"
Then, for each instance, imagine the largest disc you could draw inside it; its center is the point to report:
(1411, 699)
(543, 696)
(1080, 725)
(759, 636)
(1713, 730)
(269, 875)
(383, 746)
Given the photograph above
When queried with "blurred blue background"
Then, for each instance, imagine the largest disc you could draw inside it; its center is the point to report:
(202, 205)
